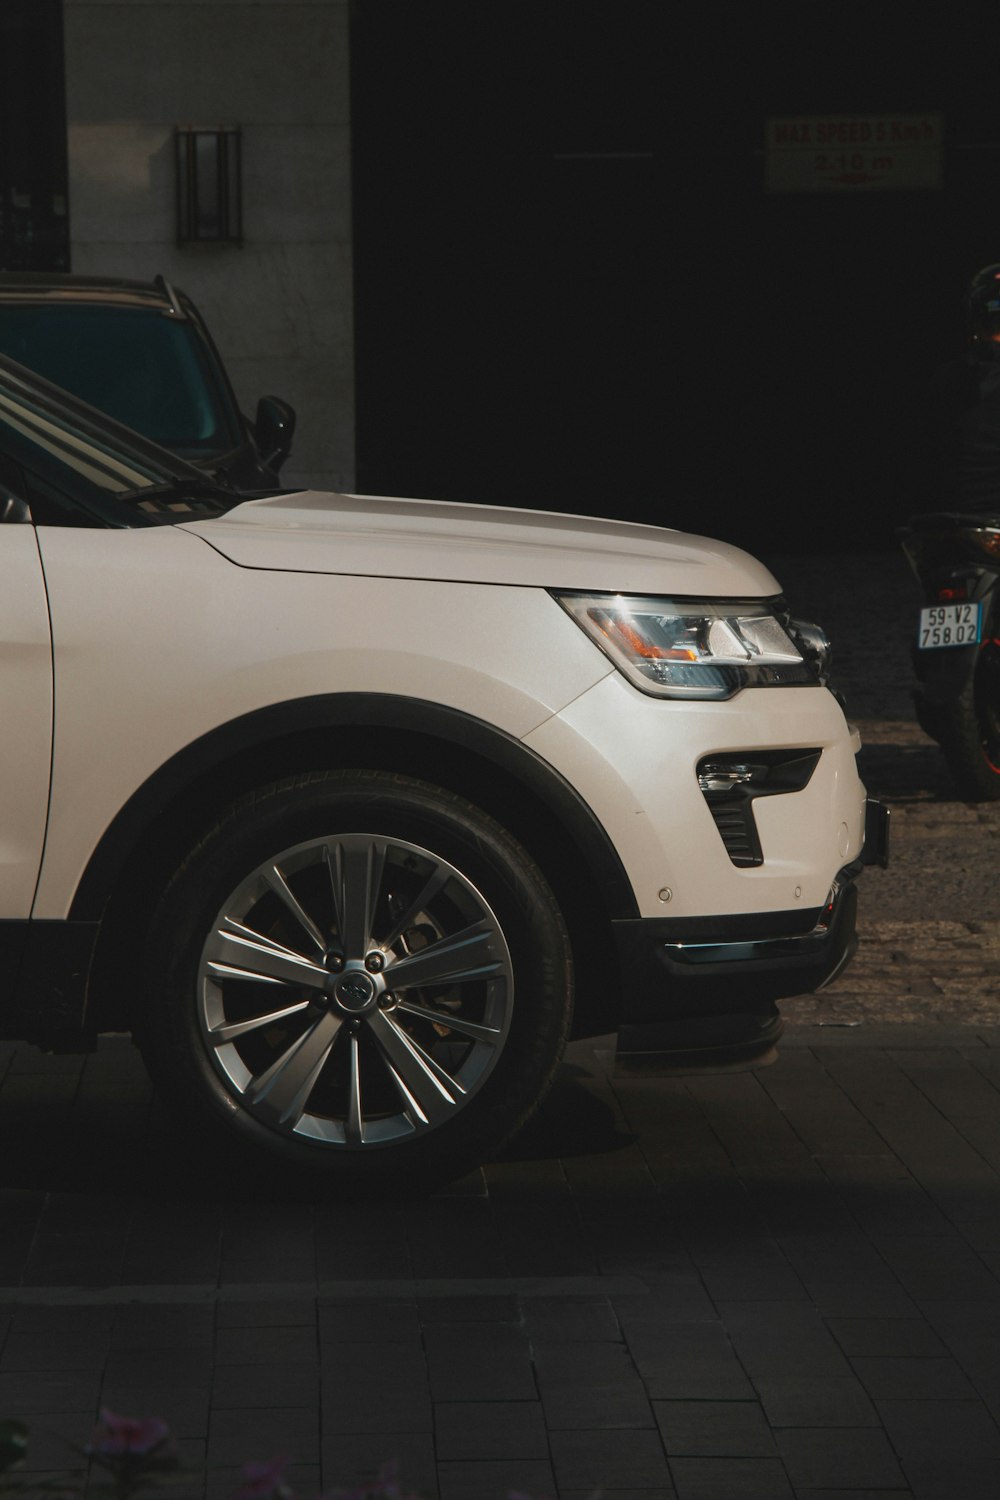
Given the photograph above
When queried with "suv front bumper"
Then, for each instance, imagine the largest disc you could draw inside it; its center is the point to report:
(708, 985)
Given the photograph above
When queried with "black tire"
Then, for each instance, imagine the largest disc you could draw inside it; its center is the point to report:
(969, 730)
(397, 1066)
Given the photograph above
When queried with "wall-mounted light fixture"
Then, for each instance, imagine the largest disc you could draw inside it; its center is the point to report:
(209, 187)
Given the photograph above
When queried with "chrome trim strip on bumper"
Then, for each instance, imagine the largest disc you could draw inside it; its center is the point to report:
(798, 945)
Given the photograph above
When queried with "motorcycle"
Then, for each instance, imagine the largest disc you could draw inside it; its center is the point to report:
(956, 558)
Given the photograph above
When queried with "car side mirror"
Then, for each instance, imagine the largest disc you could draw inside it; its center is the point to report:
(273, 431)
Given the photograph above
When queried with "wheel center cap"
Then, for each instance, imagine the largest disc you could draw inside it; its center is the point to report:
(355, 992)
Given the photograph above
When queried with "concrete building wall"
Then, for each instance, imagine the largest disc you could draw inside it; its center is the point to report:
(279, 306)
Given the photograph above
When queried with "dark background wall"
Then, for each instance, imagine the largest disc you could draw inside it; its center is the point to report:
(34, 227)
(573, 292)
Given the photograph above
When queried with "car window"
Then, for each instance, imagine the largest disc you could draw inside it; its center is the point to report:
(77, 456)
(148, 370)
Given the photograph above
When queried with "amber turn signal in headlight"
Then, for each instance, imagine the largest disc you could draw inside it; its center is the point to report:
(683, 648)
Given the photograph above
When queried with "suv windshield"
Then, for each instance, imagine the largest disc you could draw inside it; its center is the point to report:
(147, 369)
(78, 459)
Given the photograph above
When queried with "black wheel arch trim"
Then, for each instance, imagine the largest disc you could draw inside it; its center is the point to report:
(267, 726)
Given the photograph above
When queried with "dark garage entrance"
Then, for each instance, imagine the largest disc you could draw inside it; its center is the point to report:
(573, 292)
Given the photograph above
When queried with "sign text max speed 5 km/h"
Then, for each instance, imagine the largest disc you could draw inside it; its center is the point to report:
(838, 153)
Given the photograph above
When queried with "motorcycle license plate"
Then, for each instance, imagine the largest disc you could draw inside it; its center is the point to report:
(949, 625)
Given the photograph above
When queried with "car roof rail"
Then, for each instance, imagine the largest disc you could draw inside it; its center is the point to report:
(175, 307)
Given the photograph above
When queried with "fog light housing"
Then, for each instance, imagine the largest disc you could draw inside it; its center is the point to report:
(730, 782)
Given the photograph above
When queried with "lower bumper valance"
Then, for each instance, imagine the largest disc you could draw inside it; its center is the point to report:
(685, 978)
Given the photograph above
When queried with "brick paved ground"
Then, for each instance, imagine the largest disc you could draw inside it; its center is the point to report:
(930, 925)
(738, 1286)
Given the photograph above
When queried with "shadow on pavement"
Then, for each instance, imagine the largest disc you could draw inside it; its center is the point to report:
(571, 1122)
(92, 1125)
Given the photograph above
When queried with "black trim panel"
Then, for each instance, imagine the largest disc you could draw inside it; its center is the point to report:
(46, 1002)
(674, 969)
(13, 940)
(878, 823)
(699, 1041)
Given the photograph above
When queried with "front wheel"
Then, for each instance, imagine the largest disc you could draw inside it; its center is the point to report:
(969, 729)
(358, 972)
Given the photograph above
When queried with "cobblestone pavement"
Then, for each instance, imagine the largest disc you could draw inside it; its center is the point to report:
(930, 925)
(778, 1283)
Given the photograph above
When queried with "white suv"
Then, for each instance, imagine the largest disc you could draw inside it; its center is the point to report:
(353, 809)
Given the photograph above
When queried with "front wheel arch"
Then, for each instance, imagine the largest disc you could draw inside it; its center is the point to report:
(152, 834)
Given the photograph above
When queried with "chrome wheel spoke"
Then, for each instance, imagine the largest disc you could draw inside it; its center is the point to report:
(474, 1029)
(281, 1093)
(238, 951)
(356, 873)
(353, 1123)
(457, 959)
(229, 1031)
(279, 885)
(425, 1087)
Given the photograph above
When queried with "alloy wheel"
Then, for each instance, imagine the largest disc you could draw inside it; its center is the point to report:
(355, 990)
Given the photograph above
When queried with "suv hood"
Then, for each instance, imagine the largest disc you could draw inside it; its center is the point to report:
(312, 532)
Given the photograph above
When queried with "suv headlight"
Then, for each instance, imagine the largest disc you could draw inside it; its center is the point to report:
(691, 648)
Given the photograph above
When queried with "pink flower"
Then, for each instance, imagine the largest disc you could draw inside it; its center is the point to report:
(385, 1486)
(263, 1480)
(122, 1437)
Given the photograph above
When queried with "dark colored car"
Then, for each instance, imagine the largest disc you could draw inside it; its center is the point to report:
(141, 352)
